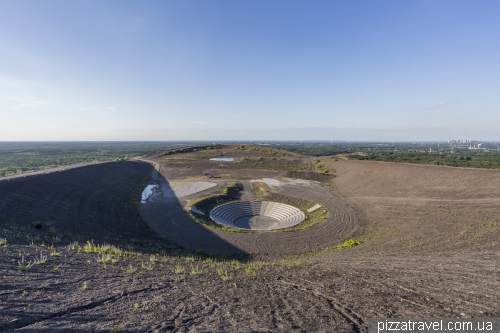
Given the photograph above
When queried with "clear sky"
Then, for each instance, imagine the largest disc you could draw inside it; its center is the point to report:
(243, 70)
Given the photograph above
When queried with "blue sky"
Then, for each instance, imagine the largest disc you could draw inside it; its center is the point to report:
(243, 70)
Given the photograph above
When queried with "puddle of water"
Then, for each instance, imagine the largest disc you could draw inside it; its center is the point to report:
(223, 159)
(148, 191)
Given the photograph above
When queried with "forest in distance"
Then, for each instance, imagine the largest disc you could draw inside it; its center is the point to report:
(22, 157)
(436, 153)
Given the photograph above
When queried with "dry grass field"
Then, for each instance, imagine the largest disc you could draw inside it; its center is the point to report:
(430, 248)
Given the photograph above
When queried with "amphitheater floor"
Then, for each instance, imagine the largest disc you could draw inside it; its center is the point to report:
(257, 222)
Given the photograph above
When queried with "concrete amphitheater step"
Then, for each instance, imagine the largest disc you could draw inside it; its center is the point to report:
(257, 215)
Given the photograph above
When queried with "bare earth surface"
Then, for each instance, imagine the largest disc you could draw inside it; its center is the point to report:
(421, 208)
(430, 248)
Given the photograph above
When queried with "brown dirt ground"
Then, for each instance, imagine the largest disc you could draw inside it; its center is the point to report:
(421, 208)
(431, 249)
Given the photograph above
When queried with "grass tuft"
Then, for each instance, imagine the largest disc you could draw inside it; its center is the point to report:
(223, 274)
(85, 285)
(90, 247)
(104, 258)
(41, 260)
(196, 271)
(24, 266)
(348, 244)
(149, 266)
(131, 270)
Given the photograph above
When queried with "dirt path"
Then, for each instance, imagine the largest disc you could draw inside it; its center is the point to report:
(52, 170)
(247, 193)
(313, 165)
(155, 164)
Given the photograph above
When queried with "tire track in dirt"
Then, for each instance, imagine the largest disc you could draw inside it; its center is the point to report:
(186, 318)
(25, 322)
(351, 317)
(413, 284)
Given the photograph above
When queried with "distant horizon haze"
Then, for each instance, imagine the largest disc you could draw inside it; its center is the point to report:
(284, 134)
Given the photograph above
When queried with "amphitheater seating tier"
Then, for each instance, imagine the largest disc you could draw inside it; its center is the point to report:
(228, 214)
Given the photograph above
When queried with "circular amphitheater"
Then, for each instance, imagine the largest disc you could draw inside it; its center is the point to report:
(257, 215)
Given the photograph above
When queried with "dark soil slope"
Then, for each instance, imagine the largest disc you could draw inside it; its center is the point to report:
(98, 202)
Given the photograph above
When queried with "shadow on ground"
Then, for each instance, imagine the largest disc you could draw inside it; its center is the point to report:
(98, 203)
(169, 219)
